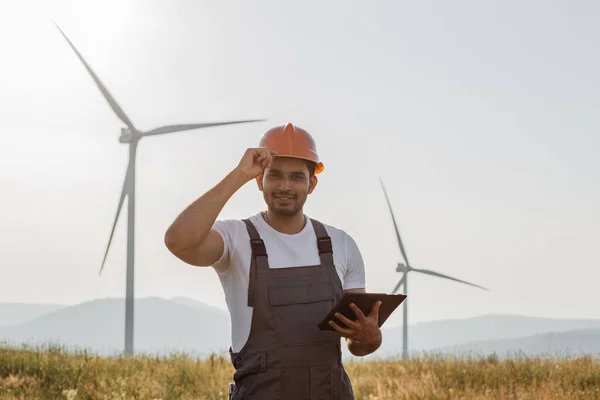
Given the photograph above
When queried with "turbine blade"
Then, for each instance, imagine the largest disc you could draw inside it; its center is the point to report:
(186, 127)
(111, 101)
(395, 225)
(399, 283)
(429, 272)
(120, 206)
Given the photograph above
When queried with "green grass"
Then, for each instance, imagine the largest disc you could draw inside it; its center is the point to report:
(51, 372)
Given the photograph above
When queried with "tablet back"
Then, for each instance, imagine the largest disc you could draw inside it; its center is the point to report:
(365, 302)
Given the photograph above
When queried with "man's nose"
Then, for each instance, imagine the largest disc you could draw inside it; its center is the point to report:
(284, 184)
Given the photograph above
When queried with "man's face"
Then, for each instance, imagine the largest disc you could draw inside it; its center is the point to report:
(286, 185)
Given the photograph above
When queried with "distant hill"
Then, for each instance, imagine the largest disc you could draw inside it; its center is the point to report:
(552, 344)
(161, 326)
(17, 313)
(203, 307)
(184, 325)
(444, 334)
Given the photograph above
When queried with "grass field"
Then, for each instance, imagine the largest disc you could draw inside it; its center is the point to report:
(52, 373)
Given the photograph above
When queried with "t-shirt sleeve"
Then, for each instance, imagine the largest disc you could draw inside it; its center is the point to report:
(355, 272)
(227, 230)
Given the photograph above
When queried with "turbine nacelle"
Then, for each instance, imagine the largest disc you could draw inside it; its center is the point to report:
(401, 267)
(126, 135)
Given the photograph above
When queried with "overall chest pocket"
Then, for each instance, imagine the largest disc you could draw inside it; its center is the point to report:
(297, 309)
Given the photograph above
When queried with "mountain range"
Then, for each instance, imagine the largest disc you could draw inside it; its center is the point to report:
(182, 325)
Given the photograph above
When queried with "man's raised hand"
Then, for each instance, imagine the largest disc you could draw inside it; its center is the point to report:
(254, 161)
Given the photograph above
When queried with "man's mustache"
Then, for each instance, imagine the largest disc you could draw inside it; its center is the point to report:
(284, 194)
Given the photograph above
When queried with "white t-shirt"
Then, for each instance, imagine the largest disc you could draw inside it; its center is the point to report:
(284, 250)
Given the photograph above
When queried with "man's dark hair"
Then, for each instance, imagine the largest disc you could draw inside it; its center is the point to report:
(311, 168)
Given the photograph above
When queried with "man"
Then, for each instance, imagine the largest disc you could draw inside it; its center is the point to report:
(281, 272)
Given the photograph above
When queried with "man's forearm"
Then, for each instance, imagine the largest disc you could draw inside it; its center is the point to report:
(362, 349)
(193, 224)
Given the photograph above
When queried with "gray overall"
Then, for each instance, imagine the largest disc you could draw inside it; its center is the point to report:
(286, 356)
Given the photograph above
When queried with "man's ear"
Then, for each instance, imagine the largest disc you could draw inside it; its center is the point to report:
(259, 182)
(312, 183)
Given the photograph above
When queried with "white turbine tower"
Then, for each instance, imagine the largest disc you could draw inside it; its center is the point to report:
(405, 268)
(132, 136)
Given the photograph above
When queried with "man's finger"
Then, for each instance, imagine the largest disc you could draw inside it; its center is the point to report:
(267, 157)
(270, 154)
(349, 323)
(267, 152)
(375, 309)
(358, 312)
(340, 330)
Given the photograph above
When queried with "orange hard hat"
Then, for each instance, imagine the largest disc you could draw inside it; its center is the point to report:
(292, 141)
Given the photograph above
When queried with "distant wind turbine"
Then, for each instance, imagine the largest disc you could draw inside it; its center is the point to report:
(132, 136)
(405, 268)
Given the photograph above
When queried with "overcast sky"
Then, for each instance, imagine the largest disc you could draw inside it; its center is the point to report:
(481, 118)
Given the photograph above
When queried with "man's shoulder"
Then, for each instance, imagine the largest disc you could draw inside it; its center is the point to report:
(339, 235)
(236, 222)
(333, 230)
(233, 228)
(349, 256)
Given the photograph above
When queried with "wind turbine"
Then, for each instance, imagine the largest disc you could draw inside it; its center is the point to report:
(131, 135)
(405, 268)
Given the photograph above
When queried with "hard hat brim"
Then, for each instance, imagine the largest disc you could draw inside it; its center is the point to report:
(319, 167)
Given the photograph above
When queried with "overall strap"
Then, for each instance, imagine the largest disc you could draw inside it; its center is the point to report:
(324, 244)
(258, 259)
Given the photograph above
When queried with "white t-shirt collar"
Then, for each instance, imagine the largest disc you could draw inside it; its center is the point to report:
(264, 225)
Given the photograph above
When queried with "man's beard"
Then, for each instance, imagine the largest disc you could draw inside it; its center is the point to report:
(292, 208)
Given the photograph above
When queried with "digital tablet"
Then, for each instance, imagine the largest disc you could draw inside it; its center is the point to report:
(365, 302)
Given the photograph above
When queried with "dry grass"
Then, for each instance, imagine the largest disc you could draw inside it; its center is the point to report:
(53, 373)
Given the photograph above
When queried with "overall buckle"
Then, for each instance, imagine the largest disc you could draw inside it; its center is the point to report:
(324, 245)
(258, 247)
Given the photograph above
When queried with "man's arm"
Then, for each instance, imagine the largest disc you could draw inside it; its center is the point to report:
(190, 237)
